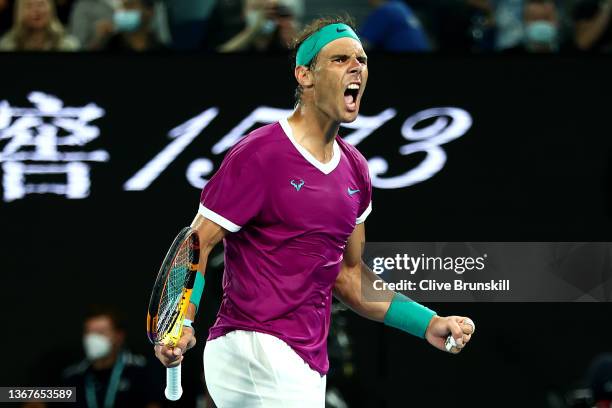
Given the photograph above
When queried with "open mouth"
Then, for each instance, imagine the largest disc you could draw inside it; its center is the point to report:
(350, 97)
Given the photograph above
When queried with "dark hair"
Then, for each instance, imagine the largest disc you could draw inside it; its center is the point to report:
(310, 29)
(113, 313)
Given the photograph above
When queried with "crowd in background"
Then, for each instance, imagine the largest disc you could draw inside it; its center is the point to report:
(476, 26)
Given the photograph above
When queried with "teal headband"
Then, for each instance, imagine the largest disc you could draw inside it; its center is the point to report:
(319, 39)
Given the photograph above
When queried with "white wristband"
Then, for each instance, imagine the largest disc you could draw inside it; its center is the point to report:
(188, 323)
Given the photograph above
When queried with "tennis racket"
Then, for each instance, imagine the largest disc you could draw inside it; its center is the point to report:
(170, 300)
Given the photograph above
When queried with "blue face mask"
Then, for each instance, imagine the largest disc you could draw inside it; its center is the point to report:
(541, 33)
(127, 20)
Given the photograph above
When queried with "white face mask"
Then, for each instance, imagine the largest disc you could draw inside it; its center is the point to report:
(96, 346)
(542, 32)
(253, 17)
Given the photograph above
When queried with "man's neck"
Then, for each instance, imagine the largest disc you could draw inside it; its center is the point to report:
(314, 131)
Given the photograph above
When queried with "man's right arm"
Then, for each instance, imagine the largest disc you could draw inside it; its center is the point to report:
(210, 234)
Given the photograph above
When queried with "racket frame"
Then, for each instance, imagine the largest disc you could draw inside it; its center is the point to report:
(173, 334)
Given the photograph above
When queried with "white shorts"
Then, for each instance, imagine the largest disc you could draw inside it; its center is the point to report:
(246, 369)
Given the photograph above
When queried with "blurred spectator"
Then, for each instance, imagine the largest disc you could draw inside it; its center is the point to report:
(91, 21)
(541, 25)
(110, 375)
(600, 380)
(482, 27)
(6, 16)
(542, 31)
(593, 29)
(159, 23)
(189, 20)
(36, 28)
(509, 23)
(132, 27)
(270, 26)
(225, 21)
(392, 26)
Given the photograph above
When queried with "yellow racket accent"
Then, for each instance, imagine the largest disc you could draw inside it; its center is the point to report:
(172, 290)
(173, 336)
(170, 300)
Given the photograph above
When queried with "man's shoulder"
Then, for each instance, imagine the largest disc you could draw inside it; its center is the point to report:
(265, 134)
(260, 141)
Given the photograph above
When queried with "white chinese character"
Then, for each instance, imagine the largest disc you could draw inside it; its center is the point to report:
(44, 140)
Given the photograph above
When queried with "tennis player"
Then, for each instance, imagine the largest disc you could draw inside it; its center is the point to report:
(290, 201)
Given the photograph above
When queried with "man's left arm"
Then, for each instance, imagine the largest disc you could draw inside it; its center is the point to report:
(355, 288)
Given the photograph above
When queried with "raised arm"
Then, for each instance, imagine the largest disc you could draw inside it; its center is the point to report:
(348, 288)
(354, 287)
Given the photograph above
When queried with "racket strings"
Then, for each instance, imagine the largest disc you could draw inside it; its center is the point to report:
(173, 291)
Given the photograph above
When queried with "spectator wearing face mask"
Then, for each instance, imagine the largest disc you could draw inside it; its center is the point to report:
(593, 25)
(132, 28)
(36, 28)
(110, 375)
(541, 28)
(94, 22)
(541, 22)
(269, 26)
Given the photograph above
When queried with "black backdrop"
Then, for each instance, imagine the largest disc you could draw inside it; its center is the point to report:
(534, 166)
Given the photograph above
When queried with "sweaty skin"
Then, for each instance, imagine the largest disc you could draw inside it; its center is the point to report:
(317, 118)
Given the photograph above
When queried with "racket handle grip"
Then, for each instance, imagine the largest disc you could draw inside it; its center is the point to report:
(449, 343)
(173, 383)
